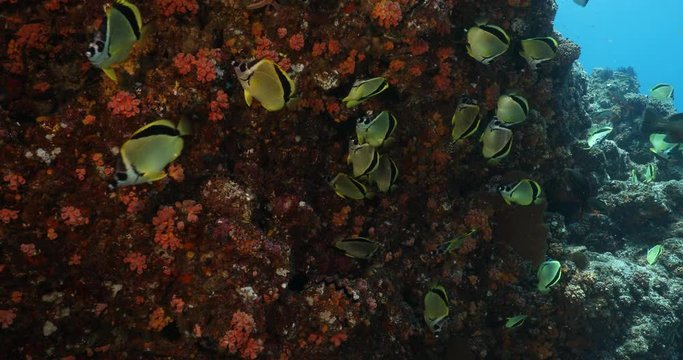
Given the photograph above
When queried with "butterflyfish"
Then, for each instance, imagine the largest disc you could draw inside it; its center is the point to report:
(497, 141)
(363, 158)
(671, 126)
(663, 92)
(486, 42)
(376, 131)
(350, 188)
(654, 253)
(661, 147)
(363, 90)
(524, 192)
(436, 307)
(512, 109)
(121, 29)
(357, 247)
(386, 174)
(465, 121)
(515, 321)
(548, 274)
(455, 243)
(597, 135)
(650, 173)
(149, 150)
(539, 49)
(266, 82)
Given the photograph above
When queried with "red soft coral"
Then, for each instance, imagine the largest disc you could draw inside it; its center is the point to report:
(124, 103)
(170, 7)
(388, 13)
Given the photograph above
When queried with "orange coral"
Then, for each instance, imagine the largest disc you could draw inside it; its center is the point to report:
(124, 103)
(388, 13)
(340, 217)
(158, 319)
(318, 49)
(7, 215)
(136, 261)
(73, 216)
(14, 181)
(217, 106)
(176, 172)
(296, 41)
(165, 226)
(183, 62)
(170, 7)
(239, 336)
(334, 47)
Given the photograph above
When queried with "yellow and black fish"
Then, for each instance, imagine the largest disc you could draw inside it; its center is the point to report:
(386, 174)
(149, 150)
(524, 192)
(539, 49)
(350, 188)
(548, 274)
(363, 158)
(486, 42)
(357, 247)
(121, 29)
(378, 131)
(662, 92)
(266, 82)
(465, 121)
(364, 89)
(512, 109)
(497, 141)
(436, 307)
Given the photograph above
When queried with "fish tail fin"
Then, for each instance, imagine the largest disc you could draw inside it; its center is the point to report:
(184, 127)
(652, 122)
(111, 74)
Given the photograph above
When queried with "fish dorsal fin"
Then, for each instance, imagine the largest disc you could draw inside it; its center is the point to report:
(132, 14)
(159, 127)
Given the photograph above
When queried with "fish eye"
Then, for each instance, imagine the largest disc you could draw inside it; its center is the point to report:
(243, 67)
(100, 45)
(121, 176)
(501, 187)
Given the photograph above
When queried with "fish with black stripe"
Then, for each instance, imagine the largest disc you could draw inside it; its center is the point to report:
(149, 150)
(121, 29)
(266, 82)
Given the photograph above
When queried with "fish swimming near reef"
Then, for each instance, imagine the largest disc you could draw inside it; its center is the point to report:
(661, 147)
(548, 274)
(538, 50)
(362, 90)
(496, 140)
(465, 121)
(662, 92)
(436, 307)
(486, 42)
(363, 157)
(121, 29)
(671, 126)
(386, 174)
(357, 247)
(598, 134)
(350, 188)
(525, 192)
(149, 150)
(377, 131)
(512, 109)
(266, 82)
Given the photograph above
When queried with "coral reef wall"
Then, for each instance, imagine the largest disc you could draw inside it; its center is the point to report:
(232, 254)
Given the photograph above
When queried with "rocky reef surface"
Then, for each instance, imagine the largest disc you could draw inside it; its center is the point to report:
(232, 255)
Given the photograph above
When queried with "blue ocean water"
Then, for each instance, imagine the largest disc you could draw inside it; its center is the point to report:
(646, 35)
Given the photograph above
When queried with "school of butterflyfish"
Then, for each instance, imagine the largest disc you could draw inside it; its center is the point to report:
(144, 157)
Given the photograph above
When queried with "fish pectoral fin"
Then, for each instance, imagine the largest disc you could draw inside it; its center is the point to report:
(111, 74)
(248, 98)
(155, 176)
